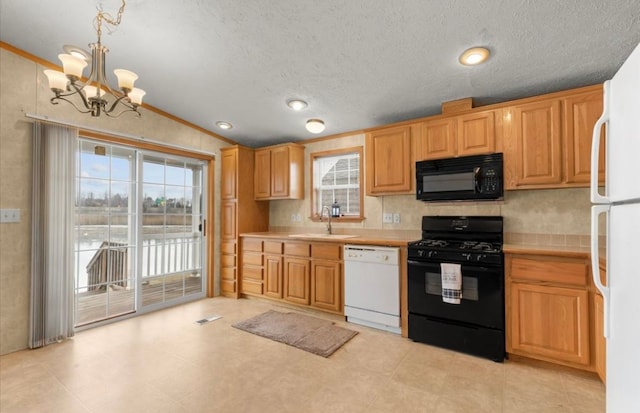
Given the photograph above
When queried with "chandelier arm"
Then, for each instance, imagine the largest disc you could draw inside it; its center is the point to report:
(138, 114)
(62, 97)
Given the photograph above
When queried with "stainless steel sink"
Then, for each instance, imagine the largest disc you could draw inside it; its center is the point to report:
(322, 235)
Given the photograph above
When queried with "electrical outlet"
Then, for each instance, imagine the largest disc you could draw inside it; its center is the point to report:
(9, 215)
(299, 218)
(387, 218)
(396, 218)
(293, 217)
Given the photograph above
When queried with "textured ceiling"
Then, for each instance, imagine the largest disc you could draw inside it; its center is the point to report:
(358, 63)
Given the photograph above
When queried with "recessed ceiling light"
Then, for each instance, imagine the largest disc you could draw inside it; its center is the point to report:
(297, 104)
(315, 125)
(474, 56)
(224, 125)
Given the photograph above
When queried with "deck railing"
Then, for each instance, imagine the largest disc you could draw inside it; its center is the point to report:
(162, 254)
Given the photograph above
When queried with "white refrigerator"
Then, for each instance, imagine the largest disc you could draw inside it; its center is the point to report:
(619, 203)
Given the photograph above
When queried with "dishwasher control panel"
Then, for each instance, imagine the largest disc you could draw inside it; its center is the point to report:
(373, 254)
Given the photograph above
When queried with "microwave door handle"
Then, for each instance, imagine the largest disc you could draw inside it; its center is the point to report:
(476, 179)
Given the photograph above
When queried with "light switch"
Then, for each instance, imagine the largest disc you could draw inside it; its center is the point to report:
(396, 218)
(9, 215)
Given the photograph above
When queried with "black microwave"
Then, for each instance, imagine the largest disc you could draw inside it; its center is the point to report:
(467, 178)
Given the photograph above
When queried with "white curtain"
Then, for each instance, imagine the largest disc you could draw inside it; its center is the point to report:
(53, 213)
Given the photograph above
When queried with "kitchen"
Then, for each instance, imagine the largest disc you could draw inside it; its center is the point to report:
(557, 217)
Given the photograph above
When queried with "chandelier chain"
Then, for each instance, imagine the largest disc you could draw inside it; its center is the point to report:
(108, 19)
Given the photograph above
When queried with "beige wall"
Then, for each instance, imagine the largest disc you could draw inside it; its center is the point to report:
(551, 211)
(24, 90)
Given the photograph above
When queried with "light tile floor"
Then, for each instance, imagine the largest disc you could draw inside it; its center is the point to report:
(165, 362)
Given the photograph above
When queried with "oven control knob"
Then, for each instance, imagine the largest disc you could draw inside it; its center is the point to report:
(479, 257)
(432, 253)
(421, 252)
(467, 256)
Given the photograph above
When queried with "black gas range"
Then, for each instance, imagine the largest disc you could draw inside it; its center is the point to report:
(473, 246)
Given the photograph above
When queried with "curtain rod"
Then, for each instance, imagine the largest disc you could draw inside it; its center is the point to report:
(45, 118)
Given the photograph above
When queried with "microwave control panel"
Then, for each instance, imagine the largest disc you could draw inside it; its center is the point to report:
(490, 180)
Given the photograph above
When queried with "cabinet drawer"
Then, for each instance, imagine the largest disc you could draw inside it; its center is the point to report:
(228, 247)
(273, 247)
(298, 249)
(252, 258)
(251, 244)
(562, 272)
(251, 287)
(227, 260)
(326, 251)
(250, 272)
(228, 273)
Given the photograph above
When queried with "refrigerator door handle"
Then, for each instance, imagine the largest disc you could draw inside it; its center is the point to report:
(596, 198)
(596, 210)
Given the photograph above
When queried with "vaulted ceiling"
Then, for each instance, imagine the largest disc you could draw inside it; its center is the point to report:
(358, 63)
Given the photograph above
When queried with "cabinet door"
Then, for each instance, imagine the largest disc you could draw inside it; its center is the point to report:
(228, 210)
(229, 174)
(551, 322)
(600, 343)
(273, 276)
(326, 285)
(436, 140)
(280, 172)
(580, 115)
(262, 174)
(388, 161)
(536, 130)
(296, 280)
(476, 133)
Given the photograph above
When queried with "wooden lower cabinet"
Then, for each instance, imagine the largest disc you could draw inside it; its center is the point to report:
(552, 322)
(549, 315)
(326, 285)
(296, 280)
(304, 273)
(273, 276)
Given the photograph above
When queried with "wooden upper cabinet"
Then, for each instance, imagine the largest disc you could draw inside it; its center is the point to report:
(547, 140)
(461, 135)
(437, 139)
(581, 112)
(280, 178)
(388, 161)
(476, 133)
(262, 174)
(537, 134)
(279, 172)
(229, 177)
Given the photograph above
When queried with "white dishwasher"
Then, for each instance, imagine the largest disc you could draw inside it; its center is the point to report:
(372, 286)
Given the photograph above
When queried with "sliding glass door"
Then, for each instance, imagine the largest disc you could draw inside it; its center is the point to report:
(172, 244)
(138, 241)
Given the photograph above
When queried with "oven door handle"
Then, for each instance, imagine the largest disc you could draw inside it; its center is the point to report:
(474, 266)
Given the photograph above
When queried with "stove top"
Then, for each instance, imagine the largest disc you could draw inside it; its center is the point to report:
(459, 239)
(457, 245)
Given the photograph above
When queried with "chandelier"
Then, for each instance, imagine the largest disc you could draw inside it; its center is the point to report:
(94, 93)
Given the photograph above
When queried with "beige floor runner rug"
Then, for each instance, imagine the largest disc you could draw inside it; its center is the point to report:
(314, 335)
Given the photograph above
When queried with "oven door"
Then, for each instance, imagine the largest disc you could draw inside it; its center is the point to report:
(482, 294)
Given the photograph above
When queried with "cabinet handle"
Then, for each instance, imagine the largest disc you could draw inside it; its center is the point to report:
(596, 198)
(596, 210)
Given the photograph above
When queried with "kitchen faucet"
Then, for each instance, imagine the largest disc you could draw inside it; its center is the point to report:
(328, 216)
